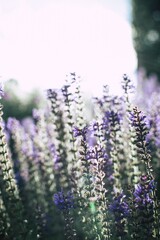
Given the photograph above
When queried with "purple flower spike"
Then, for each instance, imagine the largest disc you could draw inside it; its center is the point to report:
(80, 132)
(12, 124)
(119, 208)
(142, 191)
(64, 202)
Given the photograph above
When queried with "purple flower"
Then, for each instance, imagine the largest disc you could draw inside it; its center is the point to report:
(12, 124)
(157, 134)
(28, 125)
(62, 201)
(99, 101)
(95, 126)
(143, 208)
(134, 121)
(111, 117)
(36, 113)
(56, 161)
(142, 192)
(119, 208)
(80, 132)
(127, 84)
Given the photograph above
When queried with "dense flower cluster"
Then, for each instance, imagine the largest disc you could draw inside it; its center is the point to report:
(143, 191)
(64, 202)
(119, 207)
(80, 132)
(66, 175)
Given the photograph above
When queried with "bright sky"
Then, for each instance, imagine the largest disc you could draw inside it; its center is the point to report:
(43, 40)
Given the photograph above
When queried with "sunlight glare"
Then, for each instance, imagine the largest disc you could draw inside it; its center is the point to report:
(40, 46)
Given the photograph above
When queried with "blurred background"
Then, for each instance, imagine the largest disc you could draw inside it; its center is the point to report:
(43, 40)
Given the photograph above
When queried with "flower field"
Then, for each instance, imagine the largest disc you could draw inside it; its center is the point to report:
(65, 176)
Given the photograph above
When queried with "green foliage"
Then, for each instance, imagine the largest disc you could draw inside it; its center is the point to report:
(146, 34)
(15, 104)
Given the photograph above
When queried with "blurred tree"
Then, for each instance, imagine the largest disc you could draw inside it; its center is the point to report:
(146, 34)
(17, 105)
